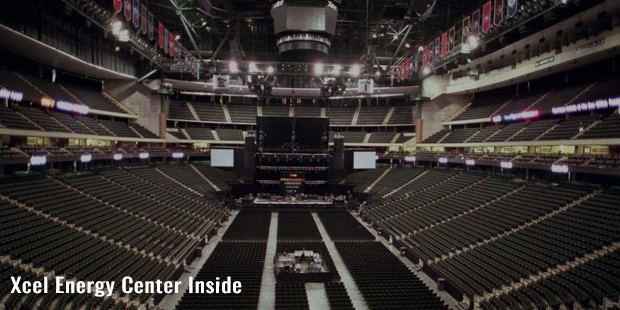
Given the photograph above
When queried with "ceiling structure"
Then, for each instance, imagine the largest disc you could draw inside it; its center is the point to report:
(219, 29)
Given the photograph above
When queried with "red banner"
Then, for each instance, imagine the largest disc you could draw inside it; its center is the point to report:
(143, 19)
(127, 11)
(161, 35)
(486, 16)
(171, 45)
(118, 5)
(444, 44)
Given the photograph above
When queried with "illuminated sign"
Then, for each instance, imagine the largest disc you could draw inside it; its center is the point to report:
(506, 165)
(86, 158)
(11, 94)
(559, 168)
(470, 162)
(587, 106)
(118, 156)
(443, 160)
(72, 107)
(178, 155)
(38, 160)
(410, 158)
(144, 155)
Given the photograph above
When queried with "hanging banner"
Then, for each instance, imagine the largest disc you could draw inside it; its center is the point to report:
(498, 16)
(513, 7)
(465, 33)
(170, 44)
(486, 16)
(431, 52)
(451, 39)
(118, 5)
(437, 48)
(475, 23)
(444, 44)
(425, 57)
(160, 39)
(165, 46)
(144, 14)
(127, 10)
(151, 27)
(136, 13)
(415, 65)
(221, 82)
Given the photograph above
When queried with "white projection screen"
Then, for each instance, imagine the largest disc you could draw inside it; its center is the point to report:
(364, 160)
(222, 158)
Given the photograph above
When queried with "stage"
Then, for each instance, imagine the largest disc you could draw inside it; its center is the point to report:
(301, 266)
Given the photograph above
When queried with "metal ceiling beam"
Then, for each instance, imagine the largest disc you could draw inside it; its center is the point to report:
(402, 41)
(184, 22)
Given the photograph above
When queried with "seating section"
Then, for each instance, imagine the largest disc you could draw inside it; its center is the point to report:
(594, 280)
(297, 226)
(187, 176)
(569, 128)
(506, 132)
(275, 110)
(609, 127)
(35, 239)
(220, 177)
(227, 134)
(559, 97)
(402, 115)
(120, 129)
(305, 111)
(200, 133)
(11, 80)
(484, 105)
(342, 226)
(93, 98)
(145, 133)
(372, 115)
(361, 180)
(10, 119)
(394, 179)
(381, 137)
(209, 112)
(534, 130)
(245, 114)
(435, 138)
(459, 135)
(179, 110)
(242, 261)
(337, 296)
(484, 134)
(249, 225)
(7, 152)
(383, 287)
(291, 296)
(519, 103)
(353, 136)
(340, 115)
(71, 122)
(43, 119)
(579, 230)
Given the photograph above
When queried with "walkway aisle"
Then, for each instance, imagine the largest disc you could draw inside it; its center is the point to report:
(317, 297)
(267, 299)
(171, 301)
(345, 276)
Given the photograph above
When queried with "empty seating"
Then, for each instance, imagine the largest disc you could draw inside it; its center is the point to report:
(435, 138)
(93, 98)
(242, 261)
(249, 225)
(354, 136)
(337, 296)
(534, 130)
(384, 281)
(569, 128)
(227, 134)
(506, 132)
(291, 296)
(245, 114)
(484, 134)
(381, 137)
(209, 112)
(402, 115)
(220, 177)
(484, 105)
(340, 225)
(120, 129)
(43, 119)
(372, 115)
(297, 226)
(608, 127)
(459, 135)
(305, 111)
(10, 119)
(275, 110)
(340, 115)
(200, 133)
(143, 131)
(180, 111)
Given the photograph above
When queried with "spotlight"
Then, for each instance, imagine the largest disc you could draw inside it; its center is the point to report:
(253, 67)
(177, 37)
(407, 45)
(473, 42)
(420, 48)
(395, 37)
(336, 70)
(116, 27)
(233, 67)
(355, 70)
(318, 69)
(270, 70)
(426, 70)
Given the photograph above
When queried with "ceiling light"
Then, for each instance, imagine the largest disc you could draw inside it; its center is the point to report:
(395, 37)
(253, 67)
(233, 67)
(318, 69)
(407, 45)
(177, 37)
(336, 70)
(355, 70)
(426, 70)
(270, 70)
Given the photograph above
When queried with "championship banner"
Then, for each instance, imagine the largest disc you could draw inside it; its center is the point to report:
(437, 48)
(415, 65)
(160, 39)
(170, 44)
(498, 16)
(392, 76)
(486, 16)
(127, 10)
(143, 19)
(475, 23)
(444, 44)
(465, 33)
(136, 13)
(513, 7)
(118, 5)
(451, 39)
(166, 34)
(221, 82)
(151, 29)
(425, 57)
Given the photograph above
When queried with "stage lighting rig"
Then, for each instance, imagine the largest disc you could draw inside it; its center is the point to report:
(333, 87)
(260, 85)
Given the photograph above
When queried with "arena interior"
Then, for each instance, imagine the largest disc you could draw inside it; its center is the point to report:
(324, 154)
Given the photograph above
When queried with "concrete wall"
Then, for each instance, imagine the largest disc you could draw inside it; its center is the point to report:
(138, 98)
(438, 110)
